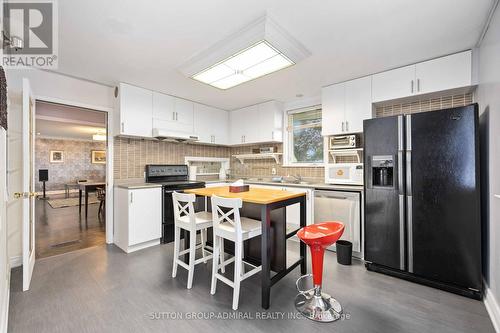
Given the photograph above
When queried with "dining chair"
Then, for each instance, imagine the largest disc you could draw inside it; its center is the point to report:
(187, 219)
(229, 225)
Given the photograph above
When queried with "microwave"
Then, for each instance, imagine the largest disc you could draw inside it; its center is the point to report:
(344, 141)
(344, 174)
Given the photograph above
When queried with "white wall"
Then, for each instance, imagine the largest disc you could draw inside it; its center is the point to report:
(46, 86)
(4, 260)
(489, 102)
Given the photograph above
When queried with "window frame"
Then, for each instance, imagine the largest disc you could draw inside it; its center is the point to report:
(287, 141)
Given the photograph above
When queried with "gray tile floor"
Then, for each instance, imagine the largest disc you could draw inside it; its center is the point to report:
(102, 289)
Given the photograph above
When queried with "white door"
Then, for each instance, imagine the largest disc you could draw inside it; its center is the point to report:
(396, 83)
(358, 103)
(28, 195)
(454, 71)
(333, 109)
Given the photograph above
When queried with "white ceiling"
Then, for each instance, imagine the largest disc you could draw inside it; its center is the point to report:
(145, 42)
(67, 122)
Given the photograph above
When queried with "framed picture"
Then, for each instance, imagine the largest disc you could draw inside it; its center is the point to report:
(98, 157)
(56, 156)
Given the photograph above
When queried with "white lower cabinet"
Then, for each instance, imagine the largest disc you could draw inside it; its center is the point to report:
(137, 218)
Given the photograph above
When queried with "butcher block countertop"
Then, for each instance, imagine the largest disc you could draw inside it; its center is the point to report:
(261, 196)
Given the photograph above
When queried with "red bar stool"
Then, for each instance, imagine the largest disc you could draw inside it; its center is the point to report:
(312, 303)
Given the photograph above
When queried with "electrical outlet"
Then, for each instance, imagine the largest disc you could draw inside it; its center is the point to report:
(273, 171)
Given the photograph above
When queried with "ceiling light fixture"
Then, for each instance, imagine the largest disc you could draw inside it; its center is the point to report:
(261, 48)
(256, 61)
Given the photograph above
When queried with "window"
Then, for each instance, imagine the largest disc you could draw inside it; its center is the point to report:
(304, 140)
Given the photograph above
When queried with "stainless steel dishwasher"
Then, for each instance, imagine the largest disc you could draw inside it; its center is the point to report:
(342, 206)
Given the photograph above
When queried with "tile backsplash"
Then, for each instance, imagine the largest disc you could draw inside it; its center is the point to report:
(263, 168)
(131, 156)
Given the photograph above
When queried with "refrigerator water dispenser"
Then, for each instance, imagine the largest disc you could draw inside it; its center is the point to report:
(383, 171)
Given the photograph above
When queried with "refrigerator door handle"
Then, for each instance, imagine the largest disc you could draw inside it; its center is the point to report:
(402, 232)
(400, 155)
(410, 233)
(409, 209)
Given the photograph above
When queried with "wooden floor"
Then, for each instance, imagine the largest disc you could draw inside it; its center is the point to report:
(63, 230)
(102, 289)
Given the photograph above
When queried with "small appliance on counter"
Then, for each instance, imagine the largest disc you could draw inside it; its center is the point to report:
(344, 141)
(344, 173)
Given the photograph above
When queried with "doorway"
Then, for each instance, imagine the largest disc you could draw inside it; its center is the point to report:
(70, 152)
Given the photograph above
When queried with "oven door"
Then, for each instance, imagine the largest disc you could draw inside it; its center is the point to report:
(168, 223)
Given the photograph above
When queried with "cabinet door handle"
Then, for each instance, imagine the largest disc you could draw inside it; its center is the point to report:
(412, 86)
(176, 116)
(342, 126)
(131, 197)
(347, 126)
(173, 116)
(123, 127)
(418, 85)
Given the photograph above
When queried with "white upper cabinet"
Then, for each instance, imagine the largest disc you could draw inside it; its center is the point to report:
(358, 103)
(240, 124)
(396, 83)
(259, 123)
(184, 111)
(345, 105)
(211, 124)
(454, 71)
(445, 73)
(333, 109)
(163, 107)
(135, 111)
(269, 127)
(172, 113)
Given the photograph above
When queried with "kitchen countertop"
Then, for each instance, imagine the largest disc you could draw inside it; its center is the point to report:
(312, 185)
(137, 184)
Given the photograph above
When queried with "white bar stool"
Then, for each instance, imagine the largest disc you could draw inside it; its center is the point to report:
(237, 230)
(186, 218)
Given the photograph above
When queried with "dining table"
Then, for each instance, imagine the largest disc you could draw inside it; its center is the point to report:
(87, 187)
(266, 201)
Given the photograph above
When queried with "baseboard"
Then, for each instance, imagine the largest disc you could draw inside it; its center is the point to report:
(16, 261)
(492, 306)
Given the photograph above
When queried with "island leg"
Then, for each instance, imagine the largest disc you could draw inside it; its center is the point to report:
(266, 256)
(303, 222)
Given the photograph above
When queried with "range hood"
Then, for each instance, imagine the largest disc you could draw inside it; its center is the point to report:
(169, 135)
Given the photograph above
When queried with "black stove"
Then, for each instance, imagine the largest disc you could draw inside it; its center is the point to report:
(173, 178)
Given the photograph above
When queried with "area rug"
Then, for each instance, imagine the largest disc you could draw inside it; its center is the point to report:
(70, 202)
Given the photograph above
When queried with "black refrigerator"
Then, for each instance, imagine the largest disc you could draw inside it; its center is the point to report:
(422, 198)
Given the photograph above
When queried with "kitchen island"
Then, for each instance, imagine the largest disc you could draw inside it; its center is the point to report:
(267, 200)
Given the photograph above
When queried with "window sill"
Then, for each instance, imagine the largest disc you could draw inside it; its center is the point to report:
(303, 165)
